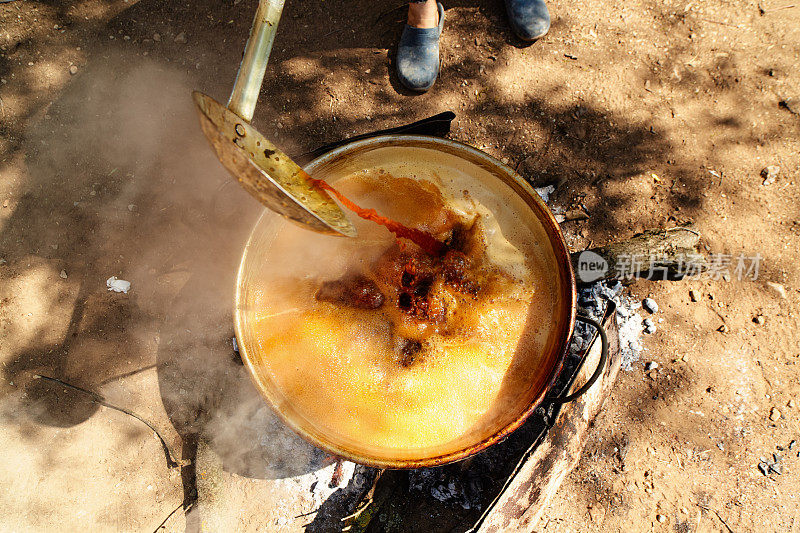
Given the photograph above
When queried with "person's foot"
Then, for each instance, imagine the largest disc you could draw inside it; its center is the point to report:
(418, 51)
(530, 19)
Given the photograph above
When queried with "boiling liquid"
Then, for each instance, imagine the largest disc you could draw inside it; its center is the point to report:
(338, 365)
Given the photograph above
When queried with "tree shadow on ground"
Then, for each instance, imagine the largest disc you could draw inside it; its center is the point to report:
(123, 134)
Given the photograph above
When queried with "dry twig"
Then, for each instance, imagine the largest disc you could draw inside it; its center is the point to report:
(185, 510)
(724, 523)
(171, 462)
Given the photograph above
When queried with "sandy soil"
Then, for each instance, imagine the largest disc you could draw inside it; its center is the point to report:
(646, 113)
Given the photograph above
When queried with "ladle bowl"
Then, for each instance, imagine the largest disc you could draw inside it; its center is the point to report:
(262, 169)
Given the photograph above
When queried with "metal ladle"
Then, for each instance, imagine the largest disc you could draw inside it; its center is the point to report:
(260, 167)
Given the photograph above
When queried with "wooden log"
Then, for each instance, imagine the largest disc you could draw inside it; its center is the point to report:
(669, 254)
(537, 479)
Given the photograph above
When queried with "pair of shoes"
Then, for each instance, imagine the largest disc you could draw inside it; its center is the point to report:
(418, 51)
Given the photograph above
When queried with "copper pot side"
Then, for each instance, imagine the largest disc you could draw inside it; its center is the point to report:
(563, 318)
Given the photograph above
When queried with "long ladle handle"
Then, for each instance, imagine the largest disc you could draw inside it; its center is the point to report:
(254, 62)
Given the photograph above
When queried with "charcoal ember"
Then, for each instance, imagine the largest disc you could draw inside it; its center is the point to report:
(449, 486)
(353, 291)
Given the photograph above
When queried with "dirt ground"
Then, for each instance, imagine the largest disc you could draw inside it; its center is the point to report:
(648, 114)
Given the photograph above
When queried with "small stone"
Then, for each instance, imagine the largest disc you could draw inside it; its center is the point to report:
(764, 467)
(157, 37)
(693, 296)
(759, 319)
(769, 174)
(576, 214)
(723, 329)
(652, 365)
(649, 326)
(63, 274)
(597, 513)
(790, 404)
(118, 285)
(650, 305)
(73, 69)
(774, 414)
(180, 38)
(545, 192)
(779, 289)
(792, 444)
(661, 518)
(776, 468)
(131, 207)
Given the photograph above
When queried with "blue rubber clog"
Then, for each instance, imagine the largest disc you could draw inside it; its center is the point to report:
(418, 55)
(530, 19)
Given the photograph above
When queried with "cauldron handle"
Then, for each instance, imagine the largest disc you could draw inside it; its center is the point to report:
(436, 125)
(601, 365)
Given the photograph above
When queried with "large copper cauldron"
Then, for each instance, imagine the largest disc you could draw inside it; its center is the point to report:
(451, 157)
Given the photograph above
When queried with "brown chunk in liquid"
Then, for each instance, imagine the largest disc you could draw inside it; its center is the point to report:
(353, 291)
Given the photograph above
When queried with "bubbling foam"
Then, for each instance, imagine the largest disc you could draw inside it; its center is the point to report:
(376, 371)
